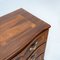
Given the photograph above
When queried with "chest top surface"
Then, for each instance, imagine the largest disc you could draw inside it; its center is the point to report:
(17, 29)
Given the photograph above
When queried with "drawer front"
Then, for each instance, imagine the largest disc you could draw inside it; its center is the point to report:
(32, 46)
(41, 57)
(37, 52)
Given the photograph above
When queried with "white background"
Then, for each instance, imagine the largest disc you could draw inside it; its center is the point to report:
(47, 10)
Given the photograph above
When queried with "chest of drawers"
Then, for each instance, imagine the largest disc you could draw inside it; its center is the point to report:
(22, 36)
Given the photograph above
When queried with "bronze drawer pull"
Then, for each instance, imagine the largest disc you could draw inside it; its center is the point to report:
(33, 46)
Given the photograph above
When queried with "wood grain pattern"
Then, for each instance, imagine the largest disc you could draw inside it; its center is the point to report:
(38, 52)
(14, 31)
(41, 39)
(40, 57)
(17, 30)
(11, 23)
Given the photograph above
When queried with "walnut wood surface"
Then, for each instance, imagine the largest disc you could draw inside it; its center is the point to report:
(17, 29)
(26, 53)
(38, 52)
(40, 57)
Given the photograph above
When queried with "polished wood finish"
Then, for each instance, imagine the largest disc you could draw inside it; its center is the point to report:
(19, 30)
(40, 57)
(40, 40)
(37, 52)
